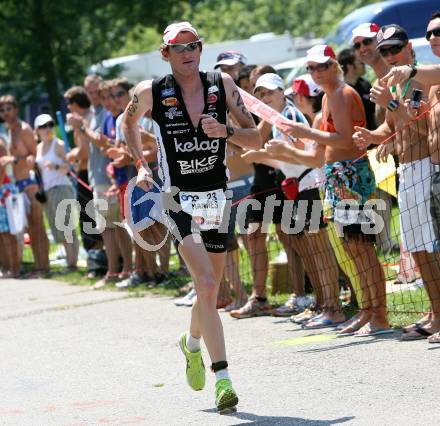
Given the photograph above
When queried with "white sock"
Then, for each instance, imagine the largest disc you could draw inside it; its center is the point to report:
(192, 343)
(222, 374)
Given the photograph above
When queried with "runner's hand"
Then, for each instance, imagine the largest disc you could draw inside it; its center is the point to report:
(397, 75)
(362, 137)
(212, 128)
(144, 178)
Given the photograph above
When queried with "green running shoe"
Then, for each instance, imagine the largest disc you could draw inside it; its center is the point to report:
(195, 369)
(225, 397)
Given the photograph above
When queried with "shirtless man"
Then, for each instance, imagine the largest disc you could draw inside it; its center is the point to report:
(412, 147)
(426, 74)
(191, 147)
(23, 150)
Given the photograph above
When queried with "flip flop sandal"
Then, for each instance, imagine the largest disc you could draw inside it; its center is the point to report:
(319, 323)
(374, 332)
(418, 333)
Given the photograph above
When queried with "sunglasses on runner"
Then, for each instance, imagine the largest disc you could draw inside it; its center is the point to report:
(118, 94)
(435, 31)
(181, 47)
(365, 42)
(320, 67)
(48, 125)
(393, 50)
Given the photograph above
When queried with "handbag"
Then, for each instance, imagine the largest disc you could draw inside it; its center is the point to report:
(290, 186)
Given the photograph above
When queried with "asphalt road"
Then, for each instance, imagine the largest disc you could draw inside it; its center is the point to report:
(70, 356)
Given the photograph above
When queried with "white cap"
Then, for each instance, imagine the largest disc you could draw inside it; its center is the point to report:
(41, 120)
(320, 53)
(367, 30)
(230, 58)
(304, 85)
(172, 31)
(270, 81)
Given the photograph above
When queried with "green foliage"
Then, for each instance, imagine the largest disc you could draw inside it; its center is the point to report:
(49, 46)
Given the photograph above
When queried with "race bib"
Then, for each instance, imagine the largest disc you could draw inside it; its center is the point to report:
(206, 208)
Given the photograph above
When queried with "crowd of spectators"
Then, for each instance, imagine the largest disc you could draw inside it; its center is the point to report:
(313, 162)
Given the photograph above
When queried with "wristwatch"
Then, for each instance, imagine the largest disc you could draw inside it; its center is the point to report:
(393, 105)
(413, 71)
(229, 131)
(57, 167)
(82, 129)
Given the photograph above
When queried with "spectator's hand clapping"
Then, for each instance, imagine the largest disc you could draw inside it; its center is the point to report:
(380, 94)
(74, 120)
(297, 130)
(275, 147)
(252, 156)
(6, 159)
(362, 137)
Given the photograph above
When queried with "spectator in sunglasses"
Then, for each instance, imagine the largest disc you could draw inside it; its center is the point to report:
(53, 166)
(23, 150)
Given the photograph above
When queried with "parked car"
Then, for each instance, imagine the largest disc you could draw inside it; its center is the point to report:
(413, 15)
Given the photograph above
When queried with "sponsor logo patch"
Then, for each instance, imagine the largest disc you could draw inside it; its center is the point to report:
(196, 145)
(197, 165)
(173, 112)
(170, 102)
(167, 92)
(212, 89)
(212, 99)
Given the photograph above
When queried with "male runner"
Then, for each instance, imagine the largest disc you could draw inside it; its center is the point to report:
(189, 112)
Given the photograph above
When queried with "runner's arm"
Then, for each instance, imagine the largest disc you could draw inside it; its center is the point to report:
(247, 136)
(141, 102)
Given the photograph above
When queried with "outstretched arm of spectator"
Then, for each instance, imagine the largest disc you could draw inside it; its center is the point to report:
(259, 156)
(141, 102)
(426, 74)
(288, 152)
(247, 136)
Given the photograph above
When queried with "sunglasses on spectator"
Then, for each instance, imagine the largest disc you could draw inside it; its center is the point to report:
(49, 125)
(6, 109)
(393, 50)
(365, 42)
(435, 31)
(179, 48)
(320, 67)
(118, 94)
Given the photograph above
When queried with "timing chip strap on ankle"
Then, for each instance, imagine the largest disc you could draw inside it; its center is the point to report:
(217, 366)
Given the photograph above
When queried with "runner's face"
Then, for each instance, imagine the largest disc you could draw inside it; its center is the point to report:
(434, 41)
(92, 92)
(8, 112)
(273, 98)
(185, 63)
(367, 54)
